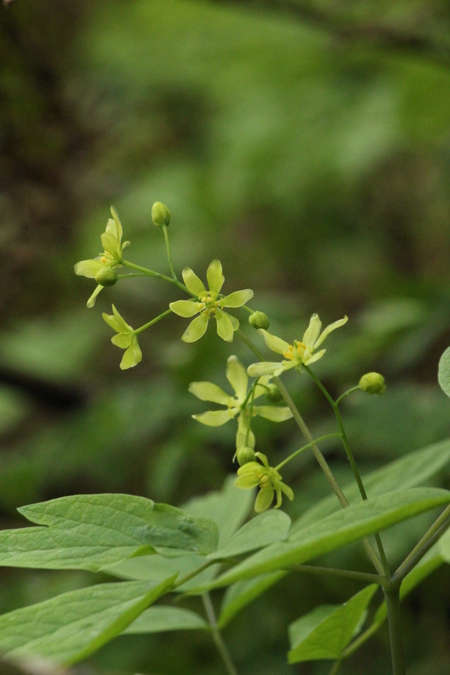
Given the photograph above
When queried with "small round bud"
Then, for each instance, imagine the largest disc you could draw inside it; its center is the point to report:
(160, 214)
(273, 393)
(372, 383)
(107, 276)
(245, 455)
(259, 320)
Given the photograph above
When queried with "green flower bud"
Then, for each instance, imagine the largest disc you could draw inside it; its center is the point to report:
(372, 383)
(273, 393)
(160, 214)
(107, 276)
(245, 455)
(259, 320)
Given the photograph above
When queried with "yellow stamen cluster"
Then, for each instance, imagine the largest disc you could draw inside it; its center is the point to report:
(207, 305)
(295, 351)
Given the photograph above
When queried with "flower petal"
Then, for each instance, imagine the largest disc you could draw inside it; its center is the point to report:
(242, 437)
(315, 357)
(260, 388)
(196, 329)
(246, 482)
(215, 276)
(122, 340)
(207, 391)
(237, 299)
(118, 231)
(112, 322)
(272, 413)
(124, 327)
(214, 418)
(110, 243)
(234, 321)
(287, 491)
(237, 377)
(132, 356)
(274, 343)
(264, 499)
(184, 308)
(263, 368)
(313, 331)
(331, 327)
(224, 326)
(88, 268)
(194, 284)
(91, 302)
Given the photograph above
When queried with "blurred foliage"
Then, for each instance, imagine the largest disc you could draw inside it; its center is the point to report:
(310, 155)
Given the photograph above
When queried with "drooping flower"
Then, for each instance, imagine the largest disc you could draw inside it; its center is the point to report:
(208, 304)
(268, 479)
(238, 405)
(299, 353)
(126, 338)
(110, 258)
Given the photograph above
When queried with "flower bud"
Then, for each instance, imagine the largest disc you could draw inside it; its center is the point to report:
(160, 214)
(107, 276)
(372, 383)
(259, 320)
(245, 455)
(273, 393)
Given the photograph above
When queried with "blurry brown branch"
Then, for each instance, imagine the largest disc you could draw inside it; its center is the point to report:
(356, 32)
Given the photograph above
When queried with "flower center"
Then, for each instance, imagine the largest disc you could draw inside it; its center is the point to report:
(295, 352)
(207, 304)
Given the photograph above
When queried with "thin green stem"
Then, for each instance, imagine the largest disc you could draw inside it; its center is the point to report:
(157, 275)
(191, 575)
(169, 255)
(252, 401)
(348, 574)
(351, 459)
(392, 596)
(360, 640)
(430, 537)
(305, 447)
(347, 393)
(217, 636)
(153, 321)
(335, 667)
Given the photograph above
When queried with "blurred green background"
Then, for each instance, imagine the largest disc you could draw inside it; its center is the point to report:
(308, 152)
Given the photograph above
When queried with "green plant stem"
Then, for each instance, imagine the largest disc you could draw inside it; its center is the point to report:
(347, 393)
(153, 321)
(335, 667)
(392, 597)
(360, 640)
(315, 450)
(217, 636)
(157, 275)
(191, 575)
(169, 255)
(347, 574)
(305, 447)
(430, 537)
(351, 459)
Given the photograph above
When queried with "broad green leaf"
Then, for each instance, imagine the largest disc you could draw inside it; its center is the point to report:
(444, 372)
(68, 628)
(92, 531)
(160, 619)
(327, 630)
(227, 508)
(242, 593)
(404, 473)
(336, 531)
(261, 531)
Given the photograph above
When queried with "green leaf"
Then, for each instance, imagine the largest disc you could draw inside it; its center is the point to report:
(92, 531)
(336, 531)
(444, 372)
(242, 593)
(68, 628)
(160, 619)
(261, 531)
(327, 630)
(404, 473)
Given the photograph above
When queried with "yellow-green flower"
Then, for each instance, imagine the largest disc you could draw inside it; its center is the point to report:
(208, 304)
(268, 479)
(126, 338)
(300, 353)
(110, 258)
(237, 405)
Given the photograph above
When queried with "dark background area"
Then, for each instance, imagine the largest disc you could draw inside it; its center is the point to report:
(306, 145)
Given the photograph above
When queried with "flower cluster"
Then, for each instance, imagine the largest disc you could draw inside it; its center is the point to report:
(126, 338)
(209, 304)
(103, 268)
(268, 479)
(240, 405)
